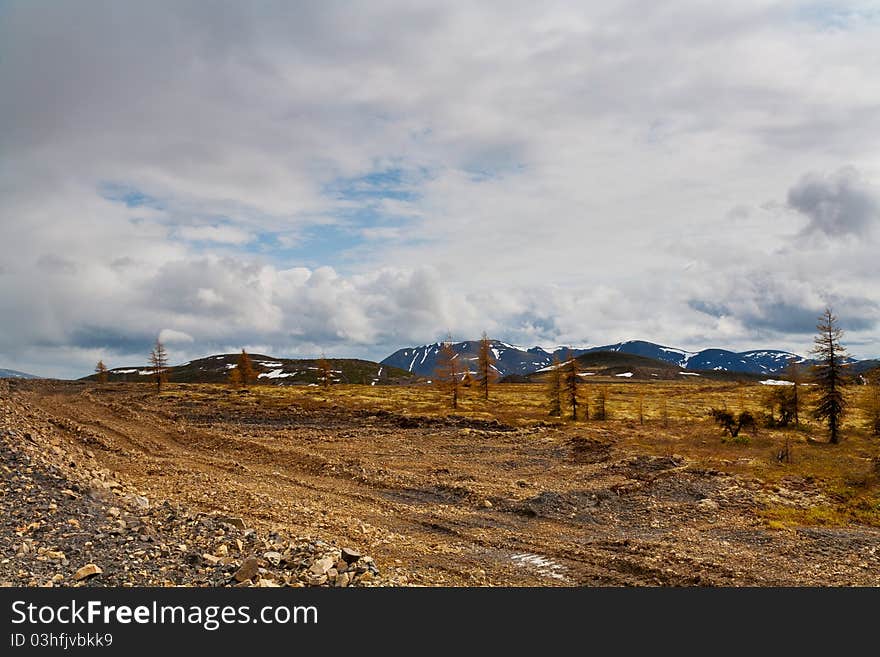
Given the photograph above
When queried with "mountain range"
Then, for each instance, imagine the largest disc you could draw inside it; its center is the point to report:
(514, 360)
(267, 369)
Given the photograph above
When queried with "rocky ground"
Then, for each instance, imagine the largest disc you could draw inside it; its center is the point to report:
(66, 521)
(206, 488)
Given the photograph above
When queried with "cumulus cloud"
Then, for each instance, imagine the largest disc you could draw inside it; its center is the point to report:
(308, 178)
(840, 204)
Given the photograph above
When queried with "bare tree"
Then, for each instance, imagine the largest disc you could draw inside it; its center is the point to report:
(159, 363)
(571, 380)
(554, 387)
(245, 369)
(829, 374)
(449, 372)
(101, 372)
(486, 371)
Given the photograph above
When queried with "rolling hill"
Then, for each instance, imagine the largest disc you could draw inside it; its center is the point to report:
(269, 370)
(625, 366)
(14, 374)
(756, 361)
(871, 367)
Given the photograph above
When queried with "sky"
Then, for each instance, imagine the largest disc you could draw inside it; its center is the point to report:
(352, 178)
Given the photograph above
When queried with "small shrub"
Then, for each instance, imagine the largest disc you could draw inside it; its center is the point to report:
(733, 424)
(781, 404)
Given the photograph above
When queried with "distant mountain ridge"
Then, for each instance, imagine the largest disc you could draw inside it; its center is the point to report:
(15, 374)
(755, 361)
(511, 359)
(268, 370)
(623, 366)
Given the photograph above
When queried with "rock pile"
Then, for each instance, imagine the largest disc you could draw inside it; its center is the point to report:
(64, 522)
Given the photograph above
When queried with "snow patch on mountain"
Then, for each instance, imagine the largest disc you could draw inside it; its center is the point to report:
(512, 359)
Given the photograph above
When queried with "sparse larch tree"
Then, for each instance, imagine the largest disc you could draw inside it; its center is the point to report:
(159, 363)
(234, 377)
(554, 387)
(794, 373)
(448, 373)
(101, 372)
(325, 374)
(829, 374)
(571, 380)
(486, 366)
(245, 369)
(874, 404)
(601, 412)
(585, 403)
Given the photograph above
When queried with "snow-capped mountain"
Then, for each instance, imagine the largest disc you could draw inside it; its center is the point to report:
(511, 359)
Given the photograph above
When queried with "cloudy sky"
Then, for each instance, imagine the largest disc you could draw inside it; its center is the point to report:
(357, 177)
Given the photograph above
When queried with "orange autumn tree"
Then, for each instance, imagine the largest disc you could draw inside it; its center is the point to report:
(245, 369)
(486, 371)
(101, 372)
(449, 372)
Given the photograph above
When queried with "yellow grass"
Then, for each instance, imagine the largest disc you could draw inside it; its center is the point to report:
(846, 473)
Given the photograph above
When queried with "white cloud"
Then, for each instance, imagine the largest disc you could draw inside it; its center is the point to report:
(174, 337)
(566, 173)
(219, 234)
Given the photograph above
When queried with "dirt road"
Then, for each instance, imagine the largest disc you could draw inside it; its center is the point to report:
(456, 501)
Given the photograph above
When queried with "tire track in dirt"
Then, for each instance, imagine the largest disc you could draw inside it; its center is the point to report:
(291, 473)
(582, 511)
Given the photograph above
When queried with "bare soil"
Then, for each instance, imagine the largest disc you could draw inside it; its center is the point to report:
(457, 501)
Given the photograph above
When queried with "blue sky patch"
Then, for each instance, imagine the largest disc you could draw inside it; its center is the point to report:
(132, 197)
